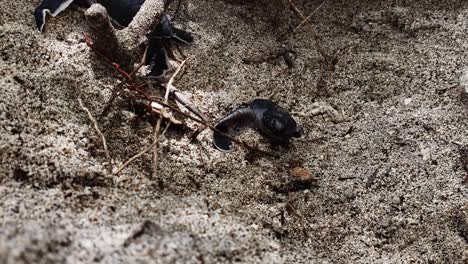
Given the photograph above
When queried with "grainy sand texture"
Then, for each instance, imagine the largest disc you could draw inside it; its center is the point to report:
(384, 136)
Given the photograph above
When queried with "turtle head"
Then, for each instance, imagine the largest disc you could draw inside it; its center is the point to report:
(277, 123)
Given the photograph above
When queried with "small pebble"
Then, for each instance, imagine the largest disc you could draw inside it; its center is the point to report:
(396, 200)
(349, 194)
(302, 174)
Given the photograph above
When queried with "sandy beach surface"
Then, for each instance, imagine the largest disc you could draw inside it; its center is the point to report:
(383, 137)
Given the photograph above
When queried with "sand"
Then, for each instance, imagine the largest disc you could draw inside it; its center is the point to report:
(383, 137)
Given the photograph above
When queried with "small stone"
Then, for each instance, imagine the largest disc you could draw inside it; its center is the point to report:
(302, 174)
(386, 222)
(425, 152)
(298, 179)
(349, 194)
(411, 221)
(396, 200)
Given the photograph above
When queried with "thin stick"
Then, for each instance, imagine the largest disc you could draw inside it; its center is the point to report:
(308, 17)
(171, 80)
(132, 159)
(114, 95)
(155, 141)
(314, 33)
(143, 60)
(116, 90)
(158, 124)
(187, 104)
(96, 127)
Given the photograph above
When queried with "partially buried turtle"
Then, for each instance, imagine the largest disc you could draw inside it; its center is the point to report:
(160, 42)
(120, 11)
(270, 119)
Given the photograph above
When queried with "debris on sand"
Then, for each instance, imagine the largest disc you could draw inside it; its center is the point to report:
(298, 179)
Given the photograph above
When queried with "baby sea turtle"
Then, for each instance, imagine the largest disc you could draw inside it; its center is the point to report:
(161, 38)
(53, 7)
(121, 11)
(270, 119)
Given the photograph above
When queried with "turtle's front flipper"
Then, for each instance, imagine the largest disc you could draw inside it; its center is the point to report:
(163, 29)
(157, 60)
(53, 7)
(182, 36)
(240, 118)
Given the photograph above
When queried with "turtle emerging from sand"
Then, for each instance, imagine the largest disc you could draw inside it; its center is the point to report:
(270, 119)
(160, 42)
(120, 11)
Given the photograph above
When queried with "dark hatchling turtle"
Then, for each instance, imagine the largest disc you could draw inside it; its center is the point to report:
(161, 38)
(53, 7)
(121, 11)
(268, 118)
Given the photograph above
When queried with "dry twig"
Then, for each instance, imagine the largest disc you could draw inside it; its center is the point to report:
(96, 127)
(116, 90)
(139, 154)
(308, 17)
(314, 34)
(158, 124)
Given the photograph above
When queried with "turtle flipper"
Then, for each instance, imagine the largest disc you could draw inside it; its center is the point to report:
(241, 118)
(53, 7)
(163, 29)
(220, 141)
(182, 36)
(166, 30)
(157, 59)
